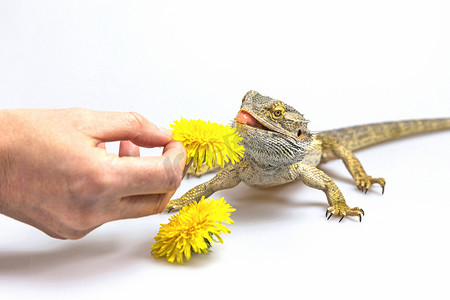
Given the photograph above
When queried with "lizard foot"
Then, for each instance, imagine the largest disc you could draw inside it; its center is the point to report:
(204, 169)
(197, 173)
(342, 210)
(364, 182)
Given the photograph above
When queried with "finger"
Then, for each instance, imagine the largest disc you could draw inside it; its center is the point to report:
(150, 175)
(102, 146)
(120, 126)
(142, 205)
(127, 148)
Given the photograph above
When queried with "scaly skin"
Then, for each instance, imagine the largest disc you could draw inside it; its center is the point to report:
(279, 148)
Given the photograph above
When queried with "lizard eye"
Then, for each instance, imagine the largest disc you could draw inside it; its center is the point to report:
(278, 112)
(300, 132)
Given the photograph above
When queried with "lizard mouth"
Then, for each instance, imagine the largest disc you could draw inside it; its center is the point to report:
(246, 118)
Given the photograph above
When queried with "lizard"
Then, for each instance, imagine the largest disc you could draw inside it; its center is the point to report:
(279, 149)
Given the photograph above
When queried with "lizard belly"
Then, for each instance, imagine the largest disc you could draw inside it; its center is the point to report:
(264, 178)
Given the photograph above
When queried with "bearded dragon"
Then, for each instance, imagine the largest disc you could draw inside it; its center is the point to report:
(279, 149)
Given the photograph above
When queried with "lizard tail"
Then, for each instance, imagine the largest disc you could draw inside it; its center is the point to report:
(358, 137)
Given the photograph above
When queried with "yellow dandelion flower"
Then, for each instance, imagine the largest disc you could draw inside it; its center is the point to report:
(208, 142)
(193, 229)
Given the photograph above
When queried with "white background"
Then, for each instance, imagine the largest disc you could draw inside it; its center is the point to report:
(338, 62)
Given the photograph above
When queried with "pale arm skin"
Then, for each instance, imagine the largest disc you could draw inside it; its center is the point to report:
(56, 175)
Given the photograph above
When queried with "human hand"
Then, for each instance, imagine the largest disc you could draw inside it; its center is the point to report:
(56, 175)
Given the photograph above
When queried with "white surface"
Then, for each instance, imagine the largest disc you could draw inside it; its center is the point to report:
(339, 62)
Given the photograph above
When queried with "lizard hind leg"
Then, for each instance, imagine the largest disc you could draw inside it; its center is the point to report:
(332, 149)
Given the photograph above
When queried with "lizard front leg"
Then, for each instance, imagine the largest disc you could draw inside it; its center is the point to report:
(332, 149)
(225, 179)
(317, 179)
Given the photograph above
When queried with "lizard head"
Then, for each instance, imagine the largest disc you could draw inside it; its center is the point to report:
(272, 131)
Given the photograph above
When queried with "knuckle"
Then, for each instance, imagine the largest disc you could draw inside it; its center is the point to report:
(77, 110)
(97, 183)
(76, 113)
(92, 182)
(135, 121)
(76, 116)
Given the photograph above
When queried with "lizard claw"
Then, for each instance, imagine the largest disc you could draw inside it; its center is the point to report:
(360, 215)
(364, 182)
(174, 205)
(342, 210)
